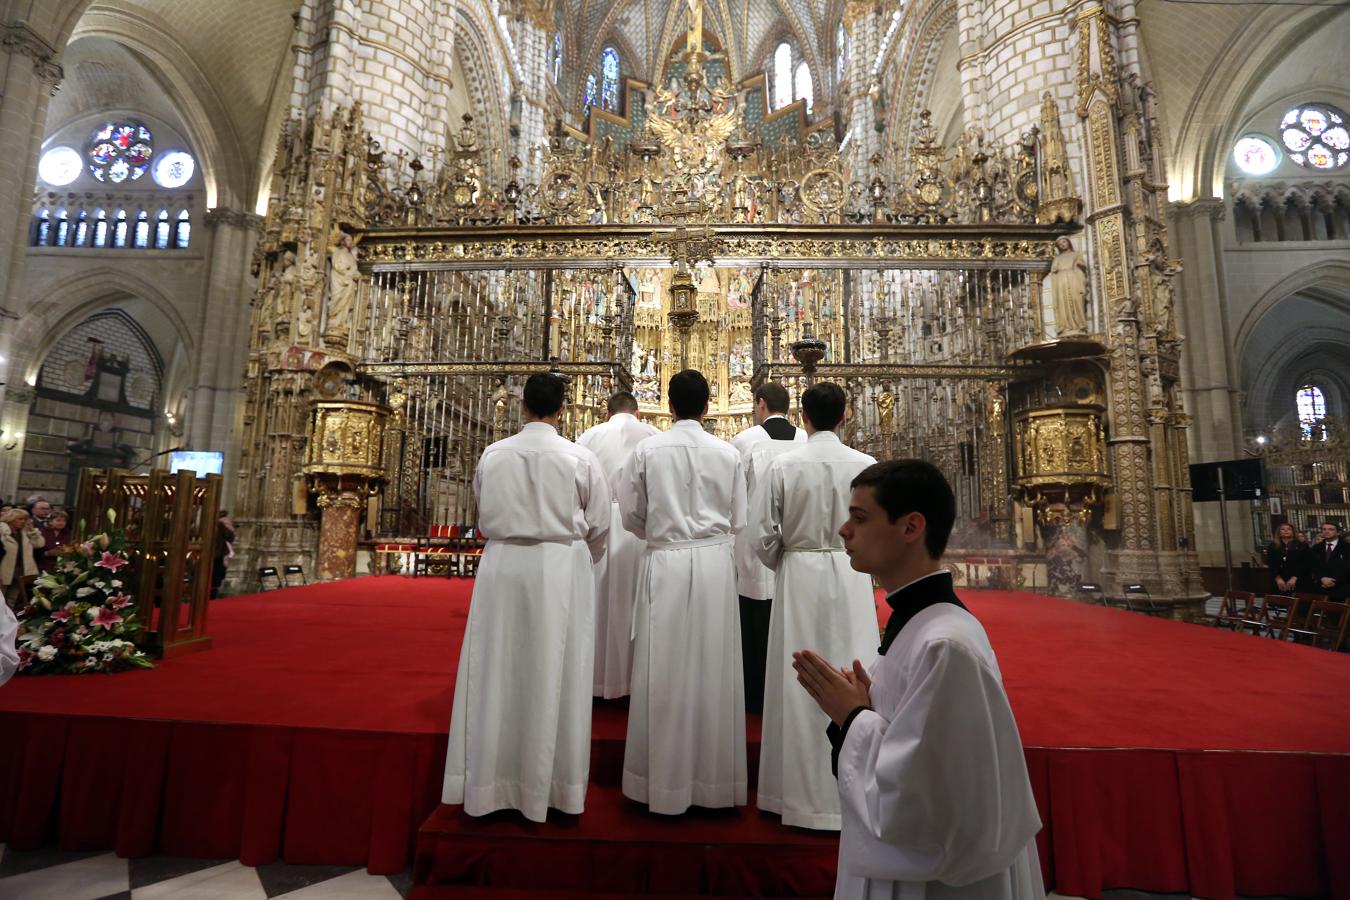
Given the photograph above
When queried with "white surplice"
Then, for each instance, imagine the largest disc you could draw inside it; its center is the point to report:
(820, 603)
(936, 800)
(683, 491)
(616, 572)
(753, 578)
(520, 730)
(9, 632)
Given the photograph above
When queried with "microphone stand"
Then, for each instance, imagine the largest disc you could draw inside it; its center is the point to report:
(155, 456)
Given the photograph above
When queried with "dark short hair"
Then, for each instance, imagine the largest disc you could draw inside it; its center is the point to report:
(688, 394)
(904, 486)
(622, 402)
(1334, 523)
(544, 394)
(823, 405)
(775, 397)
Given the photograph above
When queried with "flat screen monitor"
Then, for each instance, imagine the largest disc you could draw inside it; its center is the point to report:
(1243, 479)
(203, 462)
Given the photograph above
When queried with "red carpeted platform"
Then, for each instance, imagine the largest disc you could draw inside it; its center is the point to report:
(1166, 757)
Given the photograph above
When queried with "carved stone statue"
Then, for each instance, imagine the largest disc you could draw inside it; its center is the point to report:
(304, 327)
(343, 278)
(287, 293)
(1068, 289)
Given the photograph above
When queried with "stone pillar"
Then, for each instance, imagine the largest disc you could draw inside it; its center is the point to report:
(18, 399)
(532, 35)
(863, 24)
(213, 398)
(30, 78)
(341, 514)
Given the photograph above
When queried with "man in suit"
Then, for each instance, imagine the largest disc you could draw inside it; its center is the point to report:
(1329, 564)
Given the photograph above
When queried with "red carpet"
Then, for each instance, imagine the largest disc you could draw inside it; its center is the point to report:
(315, 731)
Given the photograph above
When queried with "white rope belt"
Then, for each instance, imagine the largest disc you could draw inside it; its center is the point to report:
(530, 542)
(813, 550)
(715, 540)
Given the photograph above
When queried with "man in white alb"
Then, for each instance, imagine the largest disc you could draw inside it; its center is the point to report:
(684, 492)
(771, 434)
(820, 601)
(520, 730)
(9, 632)
(612, 441)
(933, 783)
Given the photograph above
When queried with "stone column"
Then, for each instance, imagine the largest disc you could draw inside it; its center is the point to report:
(18, 398)
(532, 35)
(213, 398)
(341, 514)
(30, 78)
(862, 22)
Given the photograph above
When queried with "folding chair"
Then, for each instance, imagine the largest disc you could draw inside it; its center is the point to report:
(1091, 592)
(1327, 621)
(288, 571)
(1137, 599)
(1298, 617)
(1237, 607)
(266, 572)
(1277, 615)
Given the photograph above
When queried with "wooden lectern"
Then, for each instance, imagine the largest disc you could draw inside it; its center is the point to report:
(170, 523)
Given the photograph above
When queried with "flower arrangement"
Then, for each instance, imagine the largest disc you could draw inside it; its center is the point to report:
(80, 617)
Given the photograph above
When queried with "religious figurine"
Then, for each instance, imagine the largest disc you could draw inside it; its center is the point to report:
(1161, 272)
(304, 327)
(343, 278)
(1068, 289)
(648, 297)
(287, 293)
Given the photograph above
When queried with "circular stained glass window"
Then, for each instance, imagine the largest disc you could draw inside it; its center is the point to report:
(174, 168)
(120, 151)
(1316, 137)
(60, 166)
(1256, 155)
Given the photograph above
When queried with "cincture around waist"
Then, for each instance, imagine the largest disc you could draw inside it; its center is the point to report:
(713, 541)
(813, 549)
(530, 542)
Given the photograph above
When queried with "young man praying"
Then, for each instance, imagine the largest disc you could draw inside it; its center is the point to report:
(933, 785)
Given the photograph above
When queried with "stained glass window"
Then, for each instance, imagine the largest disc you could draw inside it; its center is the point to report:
(555, 56)
(183, 233)
(590, 93)
(1312, 409)
(1255, 155)
(609, 79)
(162, 230)
(44, 229)
(174, 169)
(782, 76)
(801, 88)
(1315, 135)
(81, 229)
(120, 151)
(60, 166)
(120, 229)
(100, 229)
(142, 239)
(62, 228)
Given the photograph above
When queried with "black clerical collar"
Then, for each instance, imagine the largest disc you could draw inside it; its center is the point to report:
(908, 601)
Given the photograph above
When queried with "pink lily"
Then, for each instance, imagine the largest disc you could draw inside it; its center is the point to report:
(111, 561)
(119, 601)
(106, 618)
(61, 615)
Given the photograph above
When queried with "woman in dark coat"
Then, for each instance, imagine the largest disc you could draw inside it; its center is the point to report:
(1287, 560)
(57, 534)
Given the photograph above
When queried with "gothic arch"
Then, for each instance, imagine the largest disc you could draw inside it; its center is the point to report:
(1329, 274)
(486, 78)
(223, 165)
(913, 89)
(76, 298)
(1199, 158)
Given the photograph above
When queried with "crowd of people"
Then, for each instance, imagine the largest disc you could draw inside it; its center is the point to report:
(642, 562)
(32, 537)
(1296, 566)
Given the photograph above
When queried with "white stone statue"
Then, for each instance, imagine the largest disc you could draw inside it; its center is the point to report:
(343, 278)
(1068, 289)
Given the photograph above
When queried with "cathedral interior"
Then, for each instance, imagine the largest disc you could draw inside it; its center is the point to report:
(1064, 250)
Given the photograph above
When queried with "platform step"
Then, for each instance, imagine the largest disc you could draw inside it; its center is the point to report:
(618, 847)
(463, 892)
(609, 730)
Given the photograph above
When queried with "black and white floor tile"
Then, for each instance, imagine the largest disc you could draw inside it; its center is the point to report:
(50, 874)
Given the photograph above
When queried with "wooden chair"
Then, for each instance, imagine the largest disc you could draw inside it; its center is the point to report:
(1237, 607)
(1277, 615)
(1326, 624)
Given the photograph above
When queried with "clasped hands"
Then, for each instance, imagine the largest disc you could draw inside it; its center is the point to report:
(837, 692)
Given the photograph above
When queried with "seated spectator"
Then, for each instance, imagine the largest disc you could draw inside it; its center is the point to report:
(56, 534)
(1287, 560)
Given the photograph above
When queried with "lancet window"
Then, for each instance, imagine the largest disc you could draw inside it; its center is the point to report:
(609, 79)
(1312, 411)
